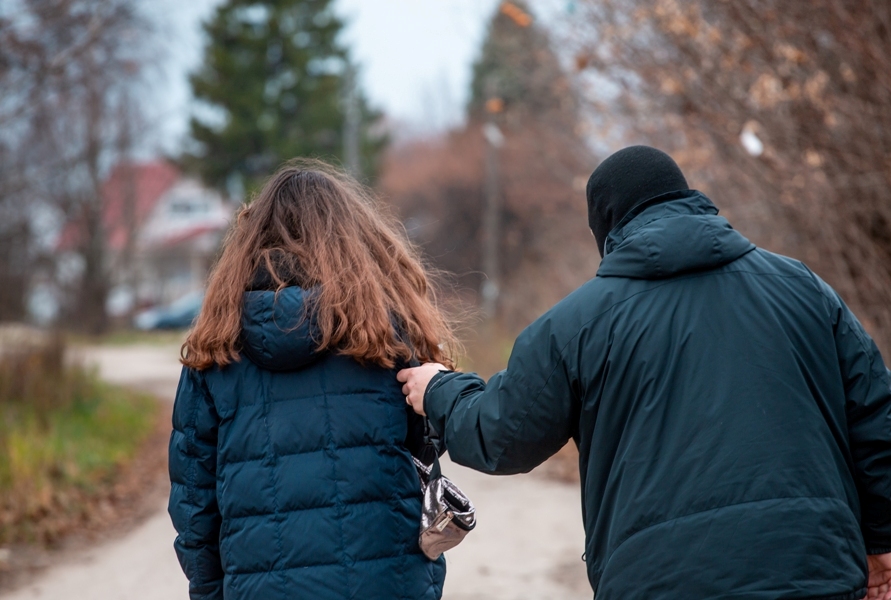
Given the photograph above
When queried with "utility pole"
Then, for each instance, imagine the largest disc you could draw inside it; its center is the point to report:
(490, 289)
(352, 127)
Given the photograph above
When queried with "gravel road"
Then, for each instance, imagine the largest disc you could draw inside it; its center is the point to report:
(527, 546)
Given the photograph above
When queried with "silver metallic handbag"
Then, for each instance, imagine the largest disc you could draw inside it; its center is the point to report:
(447, 514)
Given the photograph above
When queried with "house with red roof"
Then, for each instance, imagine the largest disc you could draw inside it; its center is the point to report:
(163, 230)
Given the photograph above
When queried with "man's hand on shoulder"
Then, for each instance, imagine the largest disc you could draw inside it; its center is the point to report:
(879, 577)
(416, 381)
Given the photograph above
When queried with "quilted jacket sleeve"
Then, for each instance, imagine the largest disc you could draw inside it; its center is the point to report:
(868, 394)
(524, 414)
(193, 501)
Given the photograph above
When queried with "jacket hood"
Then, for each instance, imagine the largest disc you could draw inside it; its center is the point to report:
(276, 334)
(670, 235)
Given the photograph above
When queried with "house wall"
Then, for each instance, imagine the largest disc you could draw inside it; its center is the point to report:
(179, 242)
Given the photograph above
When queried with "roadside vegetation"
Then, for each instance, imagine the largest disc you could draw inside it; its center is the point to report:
(65, 438)
(131, 337)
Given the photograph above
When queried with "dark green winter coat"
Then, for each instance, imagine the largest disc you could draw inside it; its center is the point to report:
(732, 416)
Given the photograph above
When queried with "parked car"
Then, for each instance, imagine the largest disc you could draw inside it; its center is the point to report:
(177, 315)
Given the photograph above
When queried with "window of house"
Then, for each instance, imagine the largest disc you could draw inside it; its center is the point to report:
(189, 207)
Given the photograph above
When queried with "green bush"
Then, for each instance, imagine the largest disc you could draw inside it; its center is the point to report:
(64, 435)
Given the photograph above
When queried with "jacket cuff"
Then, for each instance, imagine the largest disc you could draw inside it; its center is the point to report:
(877, 543)
(209, 591)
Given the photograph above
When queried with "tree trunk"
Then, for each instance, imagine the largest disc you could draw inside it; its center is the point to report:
(14, 243)
(91, 312)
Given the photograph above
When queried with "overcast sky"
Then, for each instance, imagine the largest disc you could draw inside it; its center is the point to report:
(415, 56)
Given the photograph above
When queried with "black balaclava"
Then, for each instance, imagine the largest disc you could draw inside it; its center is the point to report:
(624, 180)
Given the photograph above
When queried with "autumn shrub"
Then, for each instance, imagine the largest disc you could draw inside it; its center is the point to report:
(779, 110)
(64, 437)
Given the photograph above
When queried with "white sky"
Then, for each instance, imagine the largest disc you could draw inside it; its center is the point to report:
(415, 57)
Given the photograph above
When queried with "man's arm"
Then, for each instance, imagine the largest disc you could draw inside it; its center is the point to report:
(868, 393)
(525, 413)
(868, 409)
(193, 496)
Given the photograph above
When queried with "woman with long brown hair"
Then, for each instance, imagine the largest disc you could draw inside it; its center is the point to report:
(289, 460)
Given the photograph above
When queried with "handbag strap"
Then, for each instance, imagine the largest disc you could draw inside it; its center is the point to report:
(432, 441)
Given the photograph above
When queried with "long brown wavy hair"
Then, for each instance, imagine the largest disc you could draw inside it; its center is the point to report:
(313, 224)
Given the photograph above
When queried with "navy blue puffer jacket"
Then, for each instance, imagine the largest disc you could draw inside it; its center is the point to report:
(290, 474)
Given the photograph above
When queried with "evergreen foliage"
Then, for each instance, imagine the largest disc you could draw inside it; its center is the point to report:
(273, 86)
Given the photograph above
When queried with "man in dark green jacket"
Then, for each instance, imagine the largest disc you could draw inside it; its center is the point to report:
(733, 417)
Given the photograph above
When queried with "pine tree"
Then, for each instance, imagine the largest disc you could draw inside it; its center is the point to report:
(274, 85)
(519, 70)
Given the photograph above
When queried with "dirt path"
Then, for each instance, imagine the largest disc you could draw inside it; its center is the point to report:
(527, 545)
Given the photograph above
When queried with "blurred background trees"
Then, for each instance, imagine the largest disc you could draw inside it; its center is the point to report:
(78, 174)
(68, 75)
(522, 106)
(782, 110)
(276, 83)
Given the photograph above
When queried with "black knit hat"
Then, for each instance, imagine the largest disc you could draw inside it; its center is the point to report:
(626, 179)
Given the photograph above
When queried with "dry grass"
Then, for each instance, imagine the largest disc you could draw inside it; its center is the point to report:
(487, 347)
